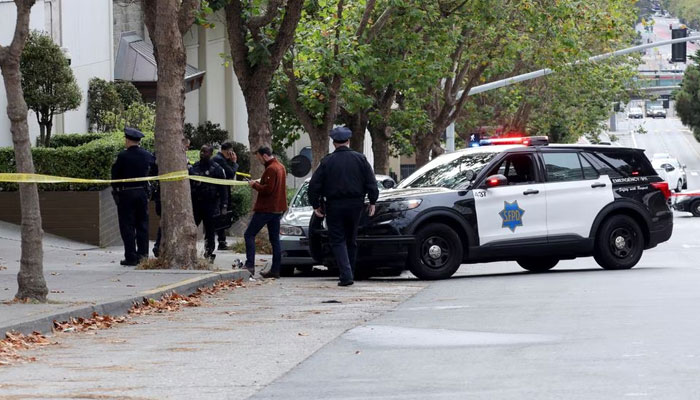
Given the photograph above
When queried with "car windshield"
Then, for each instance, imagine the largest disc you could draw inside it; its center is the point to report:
(301, 198)
(448, 171)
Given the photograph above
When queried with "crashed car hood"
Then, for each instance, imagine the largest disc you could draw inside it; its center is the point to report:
(408, 193)
(297, 216)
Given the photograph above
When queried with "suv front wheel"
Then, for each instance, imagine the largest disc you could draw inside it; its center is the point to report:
(437, 252)
(619, 243)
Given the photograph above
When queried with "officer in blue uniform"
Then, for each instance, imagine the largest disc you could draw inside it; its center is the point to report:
(132, 197)
(344, 178)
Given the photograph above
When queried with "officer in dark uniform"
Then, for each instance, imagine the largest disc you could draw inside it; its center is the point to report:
(226, 158)
(132, 197)
(343, 178)
(207, 198)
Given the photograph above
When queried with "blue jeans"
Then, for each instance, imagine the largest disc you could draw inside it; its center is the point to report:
(257, 222)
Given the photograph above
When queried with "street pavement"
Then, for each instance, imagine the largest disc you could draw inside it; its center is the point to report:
(81, 276)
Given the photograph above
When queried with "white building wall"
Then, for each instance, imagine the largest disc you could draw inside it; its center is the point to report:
(87, 34)
(8, 14)
(84, 27)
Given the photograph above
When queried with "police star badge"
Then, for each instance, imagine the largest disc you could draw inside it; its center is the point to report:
(512, 215)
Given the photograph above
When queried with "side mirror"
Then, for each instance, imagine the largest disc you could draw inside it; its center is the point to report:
(669, 168)
(388, 183)
(684, 166)
(496, 180)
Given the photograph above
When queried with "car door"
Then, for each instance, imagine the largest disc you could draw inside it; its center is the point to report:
(575, 194)
(515, 211)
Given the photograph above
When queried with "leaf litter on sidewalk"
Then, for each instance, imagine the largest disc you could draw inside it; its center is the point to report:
(15, 342)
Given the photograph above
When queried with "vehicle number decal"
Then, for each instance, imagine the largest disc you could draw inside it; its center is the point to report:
(479, 193)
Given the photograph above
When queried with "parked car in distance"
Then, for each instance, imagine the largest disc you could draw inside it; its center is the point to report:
(294, 228)
(687, 202)
(635, 112)
(672, 171)
(656, 112)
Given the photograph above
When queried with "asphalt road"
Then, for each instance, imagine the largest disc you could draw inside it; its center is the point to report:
(663, 136)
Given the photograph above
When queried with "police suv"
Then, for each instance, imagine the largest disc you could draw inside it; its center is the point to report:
(514, 199)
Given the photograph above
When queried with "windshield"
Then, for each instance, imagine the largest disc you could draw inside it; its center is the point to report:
(449, 172)
(301, 199)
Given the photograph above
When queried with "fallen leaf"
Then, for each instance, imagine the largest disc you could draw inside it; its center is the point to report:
(331, 302)
(55, 273)
(303, 334)
(2, 267)
(357, 352)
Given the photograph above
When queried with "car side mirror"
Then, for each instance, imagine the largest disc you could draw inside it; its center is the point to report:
(388, 183)
(684, 166)
(496, 180)
(669, 168)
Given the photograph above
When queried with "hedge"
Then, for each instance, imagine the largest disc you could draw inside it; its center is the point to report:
(92, 160)
(73, 139)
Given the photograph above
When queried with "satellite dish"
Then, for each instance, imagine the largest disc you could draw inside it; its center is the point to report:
(301, 166)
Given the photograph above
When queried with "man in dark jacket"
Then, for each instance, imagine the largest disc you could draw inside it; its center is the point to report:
(269, 207)
(343, 178)
(207, 198)
(132, 197)
(226, 158)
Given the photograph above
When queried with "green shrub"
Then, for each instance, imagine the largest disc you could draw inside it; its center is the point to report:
(242, 201)
(102, 97)
(128, 94)
(73, 139)
(92, 160)
(207, 133)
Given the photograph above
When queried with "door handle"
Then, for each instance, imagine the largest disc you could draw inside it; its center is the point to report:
(597, 185)
(530, 191)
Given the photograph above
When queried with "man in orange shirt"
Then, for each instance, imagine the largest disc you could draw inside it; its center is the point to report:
(268, 210)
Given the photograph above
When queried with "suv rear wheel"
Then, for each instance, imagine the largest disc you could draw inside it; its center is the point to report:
(538, 264)
(437, 252)
(619, 243)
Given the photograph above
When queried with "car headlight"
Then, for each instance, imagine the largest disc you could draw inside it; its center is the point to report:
(291, 230)
(396, 206)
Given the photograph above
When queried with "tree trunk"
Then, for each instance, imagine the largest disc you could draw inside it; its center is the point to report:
(380, 147)
(179, 240)
(259, 129)
(30, 278)
(319, 146)
(358, 125)
(42, 135)
(47, 136)
(423, 147)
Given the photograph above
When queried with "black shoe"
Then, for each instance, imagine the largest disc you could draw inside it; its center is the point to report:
(348, 283)
(156, 252)
(223, 246)
(270, 274)
(128, 263)
(210, 257)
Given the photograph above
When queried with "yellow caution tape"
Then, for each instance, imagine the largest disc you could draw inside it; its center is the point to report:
(171, 176)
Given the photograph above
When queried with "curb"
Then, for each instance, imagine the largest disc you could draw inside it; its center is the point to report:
(120, 307)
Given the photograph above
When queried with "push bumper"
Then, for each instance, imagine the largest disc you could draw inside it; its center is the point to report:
(376, 251)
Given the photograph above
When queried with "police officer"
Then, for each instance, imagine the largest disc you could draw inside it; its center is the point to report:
(226, 158)
(132, 197)
(207, 198)
(343, 178)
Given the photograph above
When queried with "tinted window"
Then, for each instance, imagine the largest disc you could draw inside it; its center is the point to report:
(451, 173)
(517, 168)
(626, 163)
(588, 171)
(562, 167)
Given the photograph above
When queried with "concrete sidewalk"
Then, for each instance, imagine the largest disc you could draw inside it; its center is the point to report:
(82, 279)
